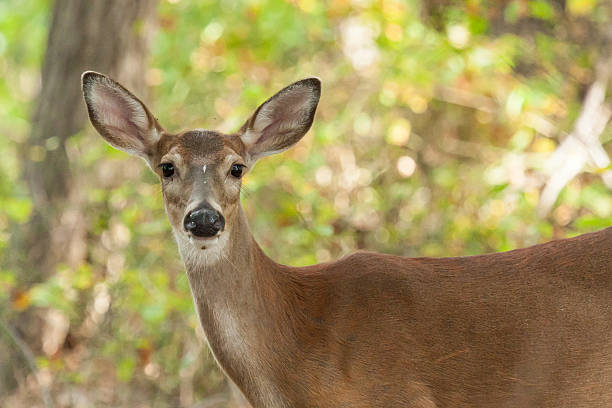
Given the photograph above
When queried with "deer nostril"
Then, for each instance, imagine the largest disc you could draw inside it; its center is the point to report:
(211, 217)
(220, 223)
(204, 222)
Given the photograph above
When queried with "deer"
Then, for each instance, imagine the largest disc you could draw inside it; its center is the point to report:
(531, 327)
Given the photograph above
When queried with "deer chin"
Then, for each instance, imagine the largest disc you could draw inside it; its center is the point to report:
(201, 251)
(205, 243)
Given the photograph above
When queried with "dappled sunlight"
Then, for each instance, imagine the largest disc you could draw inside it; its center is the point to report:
(442, 130)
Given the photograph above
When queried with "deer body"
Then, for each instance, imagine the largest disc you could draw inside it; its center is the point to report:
(525, 328)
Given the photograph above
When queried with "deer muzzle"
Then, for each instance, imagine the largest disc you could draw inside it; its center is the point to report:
(204, 222)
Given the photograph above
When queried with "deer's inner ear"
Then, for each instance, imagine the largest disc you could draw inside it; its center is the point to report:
(282, 120)
(121, 118)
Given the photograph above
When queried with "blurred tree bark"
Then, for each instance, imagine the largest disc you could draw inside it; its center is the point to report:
(110, 36)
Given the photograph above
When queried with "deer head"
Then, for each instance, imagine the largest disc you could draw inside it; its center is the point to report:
(200, 170)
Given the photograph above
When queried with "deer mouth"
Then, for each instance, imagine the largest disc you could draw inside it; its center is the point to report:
(211, 239)
(204, 242)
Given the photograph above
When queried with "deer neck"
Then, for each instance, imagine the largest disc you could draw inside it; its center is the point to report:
(225, 272)
(235, 287)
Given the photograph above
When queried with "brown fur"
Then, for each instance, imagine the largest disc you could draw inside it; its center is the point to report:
(525, 328)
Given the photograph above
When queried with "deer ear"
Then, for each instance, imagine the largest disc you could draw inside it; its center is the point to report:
(281, 121)
(121, 118)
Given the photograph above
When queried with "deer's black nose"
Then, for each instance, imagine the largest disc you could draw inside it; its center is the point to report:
(204, 222)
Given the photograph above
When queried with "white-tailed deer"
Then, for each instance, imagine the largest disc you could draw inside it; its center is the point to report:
(525, 328)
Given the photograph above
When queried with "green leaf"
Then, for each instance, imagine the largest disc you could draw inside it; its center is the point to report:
(17, 208)
(125, 368)
(541, 9)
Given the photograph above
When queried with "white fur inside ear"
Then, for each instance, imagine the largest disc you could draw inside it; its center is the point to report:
(119, 116)
(287, 109)
(250, 137)
(279, 120)
(115, 108)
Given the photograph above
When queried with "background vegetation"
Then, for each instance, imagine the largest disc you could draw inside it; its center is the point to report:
(445, 128)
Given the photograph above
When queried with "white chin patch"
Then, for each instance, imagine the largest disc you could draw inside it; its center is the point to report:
(201, 251)
(204, 244)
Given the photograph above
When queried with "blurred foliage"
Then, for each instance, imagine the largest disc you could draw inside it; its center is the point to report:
(435, 122)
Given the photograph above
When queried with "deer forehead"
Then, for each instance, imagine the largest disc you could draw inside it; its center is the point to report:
(195, 145)
(200, 147)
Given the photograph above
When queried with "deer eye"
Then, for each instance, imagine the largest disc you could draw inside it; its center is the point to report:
(236, 170)
(167, 169)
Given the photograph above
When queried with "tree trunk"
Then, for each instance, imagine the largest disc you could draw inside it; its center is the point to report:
(109, 36)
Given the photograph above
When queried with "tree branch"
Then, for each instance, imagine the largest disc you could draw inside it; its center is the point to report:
(29, 357)
(582, 145)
